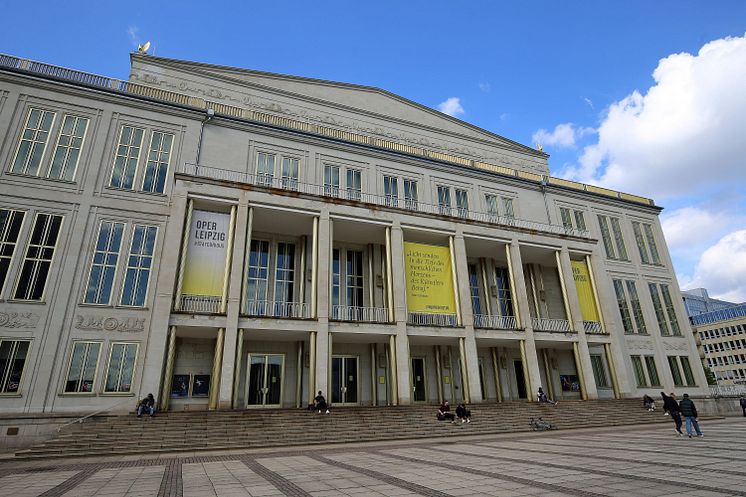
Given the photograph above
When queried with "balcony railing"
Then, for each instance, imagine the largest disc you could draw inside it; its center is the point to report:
(199, 304)
(495, 322)
(427, 319)
(352, 195)
(272, 309)
(593, 327)
(360, 314)
(548, 324)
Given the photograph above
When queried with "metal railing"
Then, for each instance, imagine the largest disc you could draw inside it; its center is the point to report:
(128, 87)
(548, 324)
(199, 304)
(728, 390)
(270, 181)
(359, 314)
(495, 322)
(593, 327)
(128, 400)
(427, 319)
(273, 309)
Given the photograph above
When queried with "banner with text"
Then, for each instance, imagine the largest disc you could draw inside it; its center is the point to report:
(206, 254)
(429, 280)
(585, 291)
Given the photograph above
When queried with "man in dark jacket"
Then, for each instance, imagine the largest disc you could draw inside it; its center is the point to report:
(146, 405)
(689, 411)
(743, 406)
(671, 407)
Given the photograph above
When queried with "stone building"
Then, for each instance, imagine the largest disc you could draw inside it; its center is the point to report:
(227, 238)
(721, 338)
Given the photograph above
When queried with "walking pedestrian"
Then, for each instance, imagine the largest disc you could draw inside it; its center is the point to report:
(743, 406)
(689, 411)
(671, 407)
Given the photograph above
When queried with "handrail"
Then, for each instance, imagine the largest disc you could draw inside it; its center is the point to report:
(83, 418)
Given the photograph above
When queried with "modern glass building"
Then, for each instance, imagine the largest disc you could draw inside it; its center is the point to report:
(227, 238)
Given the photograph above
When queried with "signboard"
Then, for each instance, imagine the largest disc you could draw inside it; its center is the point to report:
(585, 291)
(429, 279)
(206, 254)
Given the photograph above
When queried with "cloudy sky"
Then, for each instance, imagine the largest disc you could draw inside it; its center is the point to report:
(645, 97)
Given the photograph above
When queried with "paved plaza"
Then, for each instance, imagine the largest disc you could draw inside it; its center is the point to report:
(631, 461)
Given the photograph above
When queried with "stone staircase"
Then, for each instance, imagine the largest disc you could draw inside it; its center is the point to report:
(225, 430)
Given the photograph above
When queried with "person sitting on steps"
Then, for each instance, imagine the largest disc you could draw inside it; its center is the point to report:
(444, 412)
(463, 413)
(319, 404)
(648, 403)
(146, 405)
(543, 399)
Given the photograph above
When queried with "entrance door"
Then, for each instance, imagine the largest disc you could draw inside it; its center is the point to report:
(520, 379)
(264, 381)
(345, 380)
(419, 393)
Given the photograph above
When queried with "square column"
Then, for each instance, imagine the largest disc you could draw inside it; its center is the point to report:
(585, 369)
(528, 345)
(398, 276)
(324, 235)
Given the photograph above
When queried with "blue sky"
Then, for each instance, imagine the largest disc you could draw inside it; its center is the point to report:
(599, 83)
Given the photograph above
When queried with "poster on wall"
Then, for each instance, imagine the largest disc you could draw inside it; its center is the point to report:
(180, 385)
(201, 385)
(585, 291)
(429, 279)
(570, 383)
(206, 254)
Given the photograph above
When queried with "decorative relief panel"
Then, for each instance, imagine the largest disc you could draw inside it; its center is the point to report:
(18, 320)
(101, 323)
(640, 344)
(341, 123)
(679, 345)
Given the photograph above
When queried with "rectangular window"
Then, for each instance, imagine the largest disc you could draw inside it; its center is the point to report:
(121, 367)
(491, 203)
(156, 168)
(599, 373)
(258, 271)
(10, 228)
(391, 191)
(654, 255)
(611, 233)
(580, 221)
(639, 371)
(618, 239)
(444, 200)
(39, 255)
(67, 151)
(673, 364)
(265, 168)
(410, 194)
(670, 310)
(12, 361)
(652, 371)
(640, 243)
(504, 298)
(331, 181)
(476, 303)
(636, 308)
(569, 216)
(336, 277)
(603, 222)
(566, 217)
(658, 306)
(290, 169)
(354, 184)
(127, 156)
(508, 208)
(621, 299)
(284, 272)
(104, 264)
(139, 266)
(687, 368)
(82, 372)
(354, 278)
(33, 142)
(462, 203)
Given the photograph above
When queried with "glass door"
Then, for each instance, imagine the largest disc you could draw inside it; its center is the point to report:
(264, 380)
(419, 393)
(345, 386)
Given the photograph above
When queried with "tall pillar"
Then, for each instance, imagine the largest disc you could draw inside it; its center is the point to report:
(548, 373)
(463, 295)
(311, 367)
(401, 343)
(576, 316)
(439, 374)
(323, 233)
(612, 371)
(579, 369)
(299, 375)
(237, 369)
(465, 377)
(393, 374)
(217, 363)
(520, 296)
(168, 370)
(373, 376)
(496, 372)
(389, 277)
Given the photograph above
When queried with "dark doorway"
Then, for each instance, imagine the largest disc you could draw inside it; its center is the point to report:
(520, 379)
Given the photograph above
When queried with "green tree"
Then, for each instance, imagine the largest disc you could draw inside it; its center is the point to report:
(711, 379)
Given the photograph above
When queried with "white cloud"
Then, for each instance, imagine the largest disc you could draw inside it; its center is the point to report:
(452, 106)
(485, 87)
(683, 136)
(722, 268)
(691, 227)
(564, 136)
(132, 33)
(589, 103)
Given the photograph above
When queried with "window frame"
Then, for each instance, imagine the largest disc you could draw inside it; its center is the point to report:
(67, 154)
(11, 163)
(116, 266)
(71, 352)
(130, 392)
(19, 271)
(10, 258)
(5, 375)
(411, 203)
(163, 134)
(118, 144)
(151, 269)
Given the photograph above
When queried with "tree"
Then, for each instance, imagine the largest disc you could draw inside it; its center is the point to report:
(711, 379)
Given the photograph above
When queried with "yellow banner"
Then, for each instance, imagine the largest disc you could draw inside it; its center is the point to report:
(429, 279)
(585, 291)
(206, 254)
